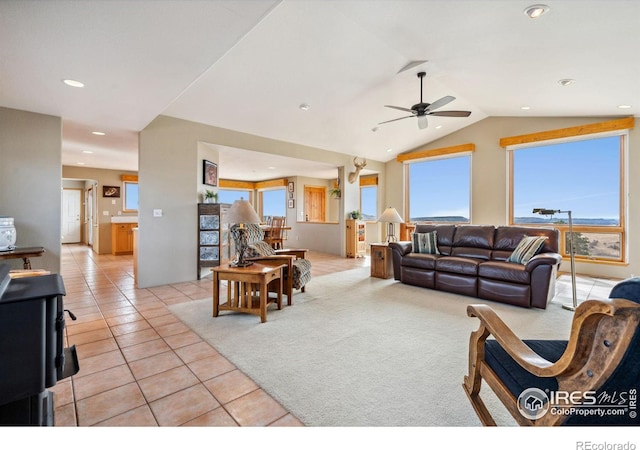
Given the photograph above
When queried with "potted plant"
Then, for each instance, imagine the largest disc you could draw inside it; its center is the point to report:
(210, 196)
(355, 214)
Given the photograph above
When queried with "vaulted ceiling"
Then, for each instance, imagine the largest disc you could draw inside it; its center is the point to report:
(249, 65)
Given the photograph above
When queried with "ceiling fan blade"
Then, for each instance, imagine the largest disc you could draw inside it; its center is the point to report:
(451, 113)
(400, 108)
(423, 122)
(440, 103)
(393, 120)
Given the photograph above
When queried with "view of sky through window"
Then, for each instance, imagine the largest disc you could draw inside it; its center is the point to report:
(439, 189)
(580, 176)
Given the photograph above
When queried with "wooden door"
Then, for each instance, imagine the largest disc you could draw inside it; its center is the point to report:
(314, 203)
(71, 224)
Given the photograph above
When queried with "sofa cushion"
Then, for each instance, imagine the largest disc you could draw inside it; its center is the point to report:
(528, 247)
(473, 241)
(425, 261)
(445, 235)
(504, 271)
(426, 243)
(507, 239)
(462, 266)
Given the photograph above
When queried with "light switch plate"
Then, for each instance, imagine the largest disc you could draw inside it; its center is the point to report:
(157, 213)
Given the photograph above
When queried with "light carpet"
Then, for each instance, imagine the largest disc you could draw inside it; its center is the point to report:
(360, 351)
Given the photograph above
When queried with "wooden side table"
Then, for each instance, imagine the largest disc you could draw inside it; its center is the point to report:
(242, 295)
(381, 261)
(23, 252)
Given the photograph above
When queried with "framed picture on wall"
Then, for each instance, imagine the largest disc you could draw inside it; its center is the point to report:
(209, 173)
(111, 191)
(291, 203)
(290, 186)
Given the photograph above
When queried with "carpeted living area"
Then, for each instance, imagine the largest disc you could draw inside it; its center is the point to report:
(360, 351)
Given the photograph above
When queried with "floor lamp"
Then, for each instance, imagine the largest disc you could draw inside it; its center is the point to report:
(551, 212)
(391, 215)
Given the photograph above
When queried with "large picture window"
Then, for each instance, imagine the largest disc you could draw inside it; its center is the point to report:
(582, 175)
(439, 189)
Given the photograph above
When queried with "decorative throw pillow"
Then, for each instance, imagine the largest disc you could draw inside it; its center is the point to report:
(528, 247)
(426, 243)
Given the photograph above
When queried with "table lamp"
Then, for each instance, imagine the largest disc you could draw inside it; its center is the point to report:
(241, 213)
(551, 212)
(391, 216)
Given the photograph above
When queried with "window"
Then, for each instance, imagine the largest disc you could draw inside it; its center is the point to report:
(439, 189)
(369, 202)
(369, 197)
(130, 196)
(584, 176)
(273, 202)
(231, 195)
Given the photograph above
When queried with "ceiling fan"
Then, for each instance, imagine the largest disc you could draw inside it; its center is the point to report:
(422, 110)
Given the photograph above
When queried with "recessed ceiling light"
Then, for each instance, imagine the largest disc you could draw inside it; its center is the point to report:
(73, 83)
(389, 150)
(98, 133)
(438, 127)
(624, 106)
(80, 163)
(87, 151)
(304, 107)
(525, 108)
(271, 168)
(535, 11)
(566, 81)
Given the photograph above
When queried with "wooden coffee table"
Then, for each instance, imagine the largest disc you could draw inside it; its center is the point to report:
(247, 288)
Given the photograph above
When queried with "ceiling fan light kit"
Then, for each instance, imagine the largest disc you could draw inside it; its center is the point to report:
(422, 110)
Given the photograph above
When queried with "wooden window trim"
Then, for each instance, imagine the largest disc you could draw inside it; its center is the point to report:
(422, 154)
(626, 123)
(598, 128)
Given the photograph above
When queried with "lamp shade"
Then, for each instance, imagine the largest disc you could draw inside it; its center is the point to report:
(390, 215)
(241, 212)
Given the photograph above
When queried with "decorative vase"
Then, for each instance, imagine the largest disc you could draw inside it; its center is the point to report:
(7, 234)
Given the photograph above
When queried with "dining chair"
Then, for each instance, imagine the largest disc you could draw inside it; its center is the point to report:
(275, 237)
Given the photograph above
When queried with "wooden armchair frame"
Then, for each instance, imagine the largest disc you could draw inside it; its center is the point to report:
(601, 333)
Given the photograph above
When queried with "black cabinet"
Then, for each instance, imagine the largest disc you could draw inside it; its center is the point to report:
(32, 353)
(209, 235)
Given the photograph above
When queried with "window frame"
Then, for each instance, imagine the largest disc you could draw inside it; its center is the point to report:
(124, 196)
(620, 229)
(468, 153)
(261, 192)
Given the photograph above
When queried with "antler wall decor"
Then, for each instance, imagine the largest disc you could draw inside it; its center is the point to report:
(353, 176)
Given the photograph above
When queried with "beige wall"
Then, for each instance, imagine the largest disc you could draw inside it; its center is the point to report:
(489, 178)
(106, 208)
(30, 182)
(168, 164)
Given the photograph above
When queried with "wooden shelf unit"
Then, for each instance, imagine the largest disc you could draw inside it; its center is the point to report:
(356, 238)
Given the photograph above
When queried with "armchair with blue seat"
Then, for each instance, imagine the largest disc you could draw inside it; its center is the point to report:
(297, 269)
(591, 379)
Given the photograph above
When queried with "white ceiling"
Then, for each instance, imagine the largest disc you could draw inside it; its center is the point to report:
(247, 66)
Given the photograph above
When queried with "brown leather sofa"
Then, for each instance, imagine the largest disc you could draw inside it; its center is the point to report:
(472, 261)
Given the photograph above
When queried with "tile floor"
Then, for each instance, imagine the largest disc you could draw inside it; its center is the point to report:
(141, 366)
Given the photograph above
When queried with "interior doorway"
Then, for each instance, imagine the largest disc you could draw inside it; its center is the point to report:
(71, 216)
